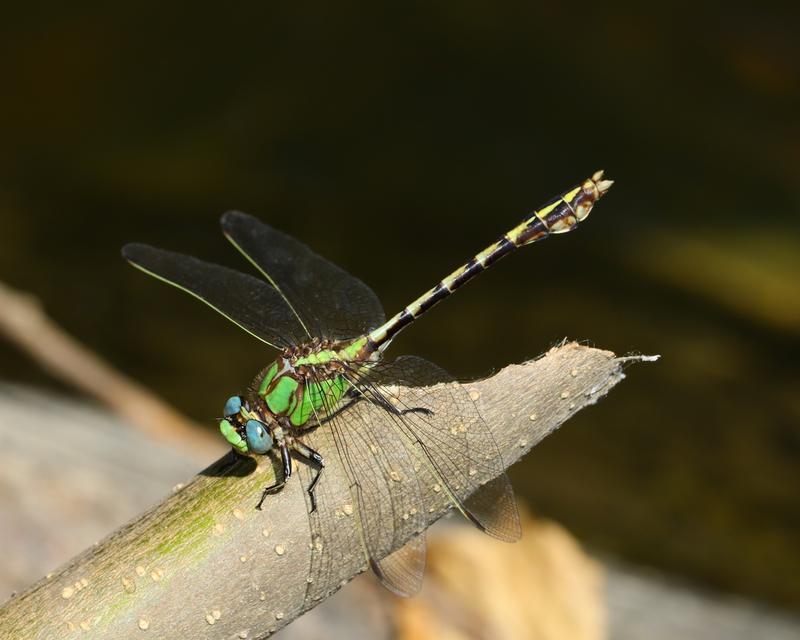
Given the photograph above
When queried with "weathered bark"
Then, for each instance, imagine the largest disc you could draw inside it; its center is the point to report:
(205, 564)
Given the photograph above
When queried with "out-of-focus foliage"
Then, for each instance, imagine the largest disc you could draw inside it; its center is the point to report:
(399, 140)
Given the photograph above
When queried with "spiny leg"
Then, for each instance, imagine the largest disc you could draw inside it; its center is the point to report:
(316, 459)
(286, 460)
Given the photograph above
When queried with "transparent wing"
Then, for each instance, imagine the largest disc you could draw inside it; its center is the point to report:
(334, 532)
(328, 301)
(247, 301)
(433, 442)
(456, 442)
(402, 570)
(382, 469)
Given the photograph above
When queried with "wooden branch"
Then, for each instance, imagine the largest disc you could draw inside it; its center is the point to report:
(205, 564)
(25, 323)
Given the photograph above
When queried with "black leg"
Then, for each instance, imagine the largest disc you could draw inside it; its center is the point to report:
(383, 403)
(316, 459)
(274, 487)
(286, 460)
(311, 488)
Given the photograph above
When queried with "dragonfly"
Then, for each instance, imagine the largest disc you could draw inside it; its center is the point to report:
(330, 376)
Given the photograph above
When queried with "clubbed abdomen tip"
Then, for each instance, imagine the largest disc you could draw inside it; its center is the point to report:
(602, 185)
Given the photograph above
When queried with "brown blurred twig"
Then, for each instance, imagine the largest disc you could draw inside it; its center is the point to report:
(206, 564)
(25, 323)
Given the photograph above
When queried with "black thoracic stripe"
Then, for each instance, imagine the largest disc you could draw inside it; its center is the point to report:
(439, 293)
(505, 247)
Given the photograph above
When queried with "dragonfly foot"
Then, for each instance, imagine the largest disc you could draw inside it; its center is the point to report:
(388, 406)
(422, 410)
(275, 487)
(316, 459)
(313, 501)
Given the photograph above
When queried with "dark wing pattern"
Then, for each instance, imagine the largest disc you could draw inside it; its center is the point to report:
(249, 302)
(327, 300)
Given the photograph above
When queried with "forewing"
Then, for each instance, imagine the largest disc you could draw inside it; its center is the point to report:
(328, 301)
(457, 444)
(245, 300)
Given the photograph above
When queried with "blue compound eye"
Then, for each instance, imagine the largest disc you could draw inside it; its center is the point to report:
(232, 406)
(258, 438)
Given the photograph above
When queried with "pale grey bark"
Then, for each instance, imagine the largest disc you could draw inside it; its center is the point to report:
(205, 564)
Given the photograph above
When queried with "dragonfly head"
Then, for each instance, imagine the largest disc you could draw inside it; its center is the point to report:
(243, 431)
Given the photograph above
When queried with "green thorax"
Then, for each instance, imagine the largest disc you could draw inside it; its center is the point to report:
(307, 382)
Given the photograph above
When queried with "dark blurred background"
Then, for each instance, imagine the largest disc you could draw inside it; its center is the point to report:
(399, 139)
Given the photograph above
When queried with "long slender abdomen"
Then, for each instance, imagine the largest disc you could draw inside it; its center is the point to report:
(560, 215)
